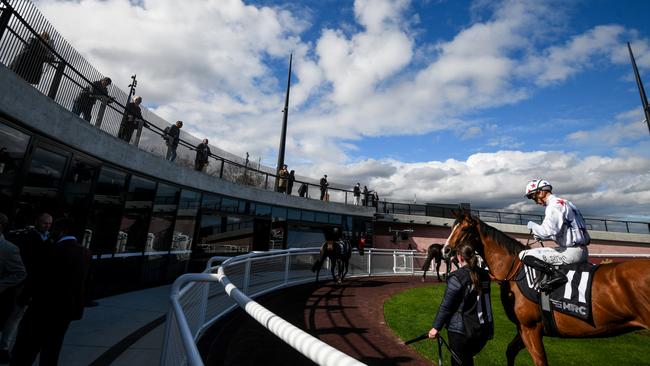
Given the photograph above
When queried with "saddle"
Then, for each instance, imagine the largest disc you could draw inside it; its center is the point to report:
(573, 298)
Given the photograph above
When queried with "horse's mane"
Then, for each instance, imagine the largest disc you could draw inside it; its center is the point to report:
(513, 246)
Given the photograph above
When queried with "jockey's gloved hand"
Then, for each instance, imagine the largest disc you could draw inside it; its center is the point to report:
(531, 225)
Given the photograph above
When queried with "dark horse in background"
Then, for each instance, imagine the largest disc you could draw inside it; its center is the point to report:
(620, 293)
(339, 252)
(435, 252)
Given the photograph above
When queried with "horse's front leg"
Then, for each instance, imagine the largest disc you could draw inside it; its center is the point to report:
(516, 345)
(333, 269)
(532, 338)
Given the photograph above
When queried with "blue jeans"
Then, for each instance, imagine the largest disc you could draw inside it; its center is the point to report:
(171, 153)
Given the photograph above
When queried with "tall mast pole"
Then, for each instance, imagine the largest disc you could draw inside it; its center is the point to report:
(283, 135)
(639, 84)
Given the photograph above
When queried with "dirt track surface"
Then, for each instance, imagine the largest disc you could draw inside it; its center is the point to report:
(348, 317)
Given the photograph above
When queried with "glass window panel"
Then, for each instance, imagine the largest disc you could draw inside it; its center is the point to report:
(308, 216)
(279, 213)
(211, 203)
(76, 194)
(103, 222)
(45, 173)
(13, 145)
(229, 205)
(335, 219)
(262, 210)
(137, 212)
(161, 230)
(185, 220)
(322, 217)
(293, 214)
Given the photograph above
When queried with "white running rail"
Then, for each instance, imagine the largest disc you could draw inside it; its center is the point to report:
(198, 300)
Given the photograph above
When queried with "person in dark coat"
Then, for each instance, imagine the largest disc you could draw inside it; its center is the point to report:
(29, 62)
(290, 180)
(132, 113)
(323, 187)
(303, 190)
(83, 104)
(202, 154)
(57, 300)
(365, 195)
(33, 242)
(12, 272)
(172, 138)
(467, 296)
(357, 194)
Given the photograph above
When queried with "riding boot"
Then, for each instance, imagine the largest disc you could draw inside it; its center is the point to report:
(552, 277)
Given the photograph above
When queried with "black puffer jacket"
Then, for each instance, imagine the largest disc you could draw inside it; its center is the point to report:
(459, 296)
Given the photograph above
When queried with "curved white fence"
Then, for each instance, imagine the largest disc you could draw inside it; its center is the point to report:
(200, 299)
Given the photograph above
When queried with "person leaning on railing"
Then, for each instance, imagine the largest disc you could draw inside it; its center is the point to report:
(202, 154)
(28, 64)
(84, 102)
(132, 113)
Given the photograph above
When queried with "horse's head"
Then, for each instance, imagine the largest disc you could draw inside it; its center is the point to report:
(464, 230)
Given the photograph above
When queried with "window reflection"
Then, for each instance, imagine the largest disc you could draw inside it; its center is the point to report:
(76, 192)
(137, 211)
(106, 213)
(160, 233)
(13, 145)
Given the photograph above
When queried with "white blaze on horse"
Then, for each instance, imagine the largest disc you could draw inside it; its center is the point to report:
(620, 295)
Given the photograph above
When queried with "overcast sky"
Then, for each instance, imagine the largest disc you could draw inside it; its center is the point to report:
(434, 101)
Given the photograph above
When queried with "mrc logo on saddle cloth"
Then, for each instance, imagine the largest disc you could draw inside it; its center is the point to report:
(574, 298)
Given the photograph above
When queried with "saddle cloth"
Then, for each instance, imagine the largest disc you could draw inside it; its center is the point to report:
(574, 298)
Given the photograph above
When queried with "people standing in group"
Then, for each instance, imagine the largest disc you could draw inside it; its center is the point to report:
(290, 180)
(172, 136)
(58, 299)
(283, 176)
(323, 187)
(202, 154)
(365, 195)
(357, 194)
(564, 224)
(466, 309)
(29, 62)
(132, 114)
(303, 190)
(83, 104)
(34, 244)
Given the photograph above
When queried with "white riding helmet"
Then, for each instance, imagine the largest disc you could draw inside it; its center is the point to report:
(536, 185)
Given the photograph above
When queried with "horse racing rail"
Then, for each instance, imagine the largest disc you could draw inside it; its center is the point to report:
(198, 300)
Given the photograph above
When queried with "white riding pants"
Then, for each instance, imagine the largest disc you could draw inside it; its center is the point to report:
(559, 255)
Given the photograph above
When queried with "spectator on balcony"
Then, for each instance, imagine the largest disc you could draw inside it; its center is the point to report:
(202, 154)
(84, 102)
(357, 194)
(365, 195)
(303, 190)
(323, 187)
(132, 113)
(290, 180)
(375, 199)
(172, 136)
(283, 176)
(29, 62)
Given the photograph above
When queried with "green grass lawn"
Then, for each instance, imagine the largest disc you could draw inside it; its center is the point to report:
(410, 313)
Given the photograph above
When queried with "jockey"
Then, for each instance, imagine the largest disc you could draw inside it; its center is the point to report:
(564, 224)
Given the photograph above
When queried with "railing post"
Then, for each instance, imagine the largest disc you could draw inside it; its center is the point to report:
(100, 113)
(627, 226)
(286, 268)
(247, 276)
(223, 162)
(139, 133)
(369, 261)
(499, 217)
(56, 80)
(4, 17)
(605, 222)
(346, 197)
(266, 181)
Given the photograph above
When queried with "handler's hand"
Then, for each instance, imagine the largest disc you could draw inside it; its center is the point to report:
(531, 225)
(433, 333)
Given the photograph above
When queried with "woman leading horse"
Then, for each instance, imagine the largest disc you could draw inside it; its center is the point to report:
(620, 292)
(339, 251)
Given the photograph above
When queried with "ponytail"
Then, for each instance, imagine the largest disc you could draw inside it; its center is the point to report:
(466, 251)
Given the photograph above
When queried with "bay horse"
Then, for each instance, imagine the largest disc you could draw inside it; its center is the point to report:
(339, 253)
(434, 252)
(620, 292)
